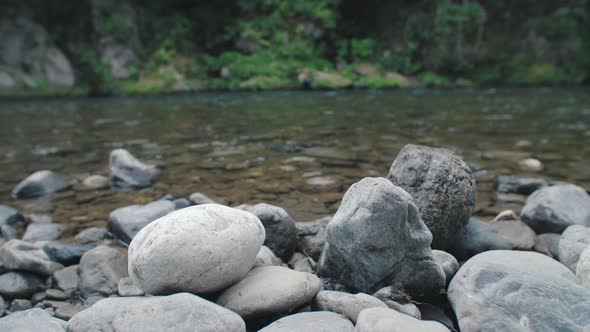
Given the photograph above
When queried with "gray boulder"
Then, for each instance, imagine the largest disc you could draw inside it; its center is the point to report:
(571, 244)
(32, 320)
(40, 183)
(377, 239)
(324, 321)
(519, 185)
(179, 312)
(553, 209)
(25, 256)
(199, 249)
(66, 253)
(265, 256)
(281, 233)
(348, 305)
(442, 187)
(43, 232)
(583, 268)
(270, 290)
(67, 278)
(126, 171)
(447, 262)
(10, 215)
(518, 291)
(101, 269)
(388, 320)
(548, 244)
(124, 223)
(311, 237)
(20, 285)
(477, 239)
(518, 234)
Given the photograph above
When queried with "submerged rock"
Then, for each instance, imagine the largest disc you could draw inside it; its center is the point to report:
(571, 244)
(324, 321)
(442, 187)
(388, 320)
(32, 320)
(24, 256)
(101, 269)
(199, 199)
(553, 209)
(270, 290)
(518, 291)
(91, 235)
(43, 232)
(126, 171)
(199, 249)
(519, 185)
(377, 239)
(124, 223)
(349, 305)
(179, 312)
(40, 183)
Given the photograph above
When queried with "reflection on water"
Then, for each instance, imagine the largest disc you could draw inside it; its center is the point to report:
(299, 150)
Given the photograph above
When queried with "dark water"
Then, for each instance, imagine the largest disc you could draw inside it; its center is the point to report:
(240, 147)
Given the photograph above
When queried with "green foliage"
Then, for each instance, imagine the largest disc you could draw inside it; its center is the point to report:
(433, 79)
(97, 74)
(357, 50)
(378, 83)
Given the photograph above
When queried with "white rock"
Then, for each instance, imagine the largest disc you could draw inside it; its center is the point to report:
(389, 320)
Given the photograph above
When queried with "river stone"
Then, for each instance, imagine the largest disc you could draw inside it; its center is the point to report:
(300, 262)
(553, 209)
(124, 223)
(548, 244)
(10, 215)
(199, 199)
(349, 305)
(398, 301)
(447, 262)
(20, 285)
(66, 253)
(518, 291)
(388, 320)
(40, 183)
(20, 305)
(323, 321)
(571, 244)
(311, 236)
(519, 185)
(281, 233)
(91, 235)
(270, 290)
(32, 320)
(126, 171)
(265, 256)
(517, 233)
(478, 238)
(43, 232)
(25, 256)
(583, 268)
(96, 182)
(8, 232)
(179, 313)
(377, 239)
(442, 187)
(199, 249)
(126, 287)
(67, 278)
(101, 269)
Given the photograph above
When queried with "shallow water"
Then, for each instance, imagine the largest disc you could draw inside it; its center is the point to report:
(240, 147)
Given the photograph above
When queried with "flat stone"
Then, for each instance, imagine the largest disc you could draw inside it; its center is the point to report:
(324, 321)
(571, 244)
(349, 305)
(32, 320)
(126, 171)
(126, 287)
(179, 312)
(519, 185)
(20, 305)
(198, 199)
(388, 320)
(43, 232)
(24, 256)
(518, 234)
(55, 294)
(270, 290)
(67, 278)
(478, 238)
(101, 269)
(127, 221)
(66, 253)
(96, 182)
(91, 235)
(20, 285)
(40, 183)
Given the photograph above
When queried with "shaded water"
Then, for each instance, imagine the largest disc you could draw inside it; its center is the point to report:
(245, 148)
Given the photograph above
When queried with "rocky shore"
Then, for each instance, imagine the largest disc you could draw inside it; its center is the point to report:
(403, 252)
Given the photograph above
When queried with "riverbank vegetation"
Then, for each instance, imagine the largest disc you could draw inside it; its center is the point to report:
(103, 47)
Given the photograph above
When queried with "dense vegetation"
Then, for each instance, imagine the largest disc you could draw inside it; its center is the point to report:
(270, 44)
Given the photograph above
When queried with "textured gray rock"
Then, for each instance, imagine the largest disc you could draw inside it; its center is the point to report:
(67, 278)
(302, 263)
(91, 235)
(583, 268)
(43, 232)
(265, 256)
(571, 244)
(447, 262)
(126, 287)
(324, 321)
(553, 209)
(270, 290)
(398, 301)
(20, 285)
(55, 294)
(388, 320)
(377, 239)
(10, 215)
(126, 171)
(518, 291)
(199, 249)
(199, 199)
(32, 320)
(548, 244)
(281, 233)
(124, 223)
(25, 256)
(179, 312)
(477, 239)
(519, 185)
(349, 305)
(442, 187)
(40, 183)
(311, 236)
(101, 269)
(66, 253)
(20, 305)
(518, 234)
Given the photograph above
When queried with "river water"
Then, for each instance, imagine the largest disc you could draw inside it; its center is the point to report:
(298, 150)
